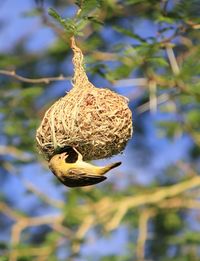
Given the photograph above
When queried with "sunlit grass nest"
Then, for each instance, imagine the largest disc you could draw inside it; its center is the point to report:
(96, 121)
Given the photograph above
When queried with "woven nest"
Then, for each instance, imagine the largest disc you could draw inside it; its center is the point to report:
(96, 121)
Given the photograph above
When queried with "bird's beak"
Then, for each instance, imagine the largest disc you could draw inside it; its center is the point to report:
(64, 155)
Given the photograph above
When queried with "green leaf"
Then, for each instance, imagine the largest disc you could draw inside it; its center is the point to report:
(87, 6)
(32, 13)
(171, 128)
(135, 1)
(128, 33)
(81, 25)
(193, 117)
(68, 24)
(54, 14)
(31, 92)
(95, 20)
(165, 19)
(158, 62)
(79, 3)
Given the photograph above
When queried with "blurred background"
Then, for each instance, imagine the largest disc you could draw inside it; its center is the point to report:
(148, 208)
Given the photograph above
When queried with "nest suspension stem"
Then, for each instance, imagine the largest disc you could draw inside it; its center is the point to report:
(80, 78)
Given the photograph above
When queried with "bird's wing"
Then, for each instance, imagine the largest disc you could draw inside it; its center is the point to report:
(79, 178)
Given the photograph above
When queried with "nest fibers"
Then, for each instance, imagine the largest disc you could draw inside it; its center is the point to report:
(96, 121)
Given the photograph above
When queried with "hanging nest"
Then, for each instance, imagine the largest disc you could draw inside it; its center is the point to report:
(96, 121)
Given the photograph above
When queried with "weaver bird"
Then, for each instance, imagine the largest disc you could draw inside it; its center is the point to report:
(78, 173)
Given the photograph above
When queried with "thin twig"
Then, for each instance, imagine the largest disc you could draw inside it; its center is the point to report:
(81, 232)
(10, 212)
(25, 222)
(131, 82)
(45, 80)
(114, 223)
(15, 152)
(172, 60)
(153, 101)
(145, 215)
(42, 196)
(160, 99)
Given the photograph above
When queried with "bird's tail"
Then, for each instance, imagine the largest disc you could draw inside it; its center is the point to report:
(110, 166)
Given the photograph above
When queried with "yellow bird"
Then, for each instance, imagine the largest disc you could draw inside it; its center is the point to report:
(78, 173)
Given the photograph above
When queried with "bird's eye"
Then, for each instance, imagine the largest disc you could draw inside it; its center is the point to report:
(59, 157)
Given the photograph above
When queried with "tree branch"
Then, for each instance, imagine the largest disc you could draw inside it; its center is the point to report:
(117, 210)
(45, 80)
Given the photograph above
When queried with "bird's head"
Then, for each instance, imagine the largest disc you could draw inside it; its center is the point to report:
(57, 160)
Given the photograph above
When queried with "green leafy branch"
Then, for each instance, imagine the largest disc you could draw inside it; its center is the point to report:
(85, 15)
